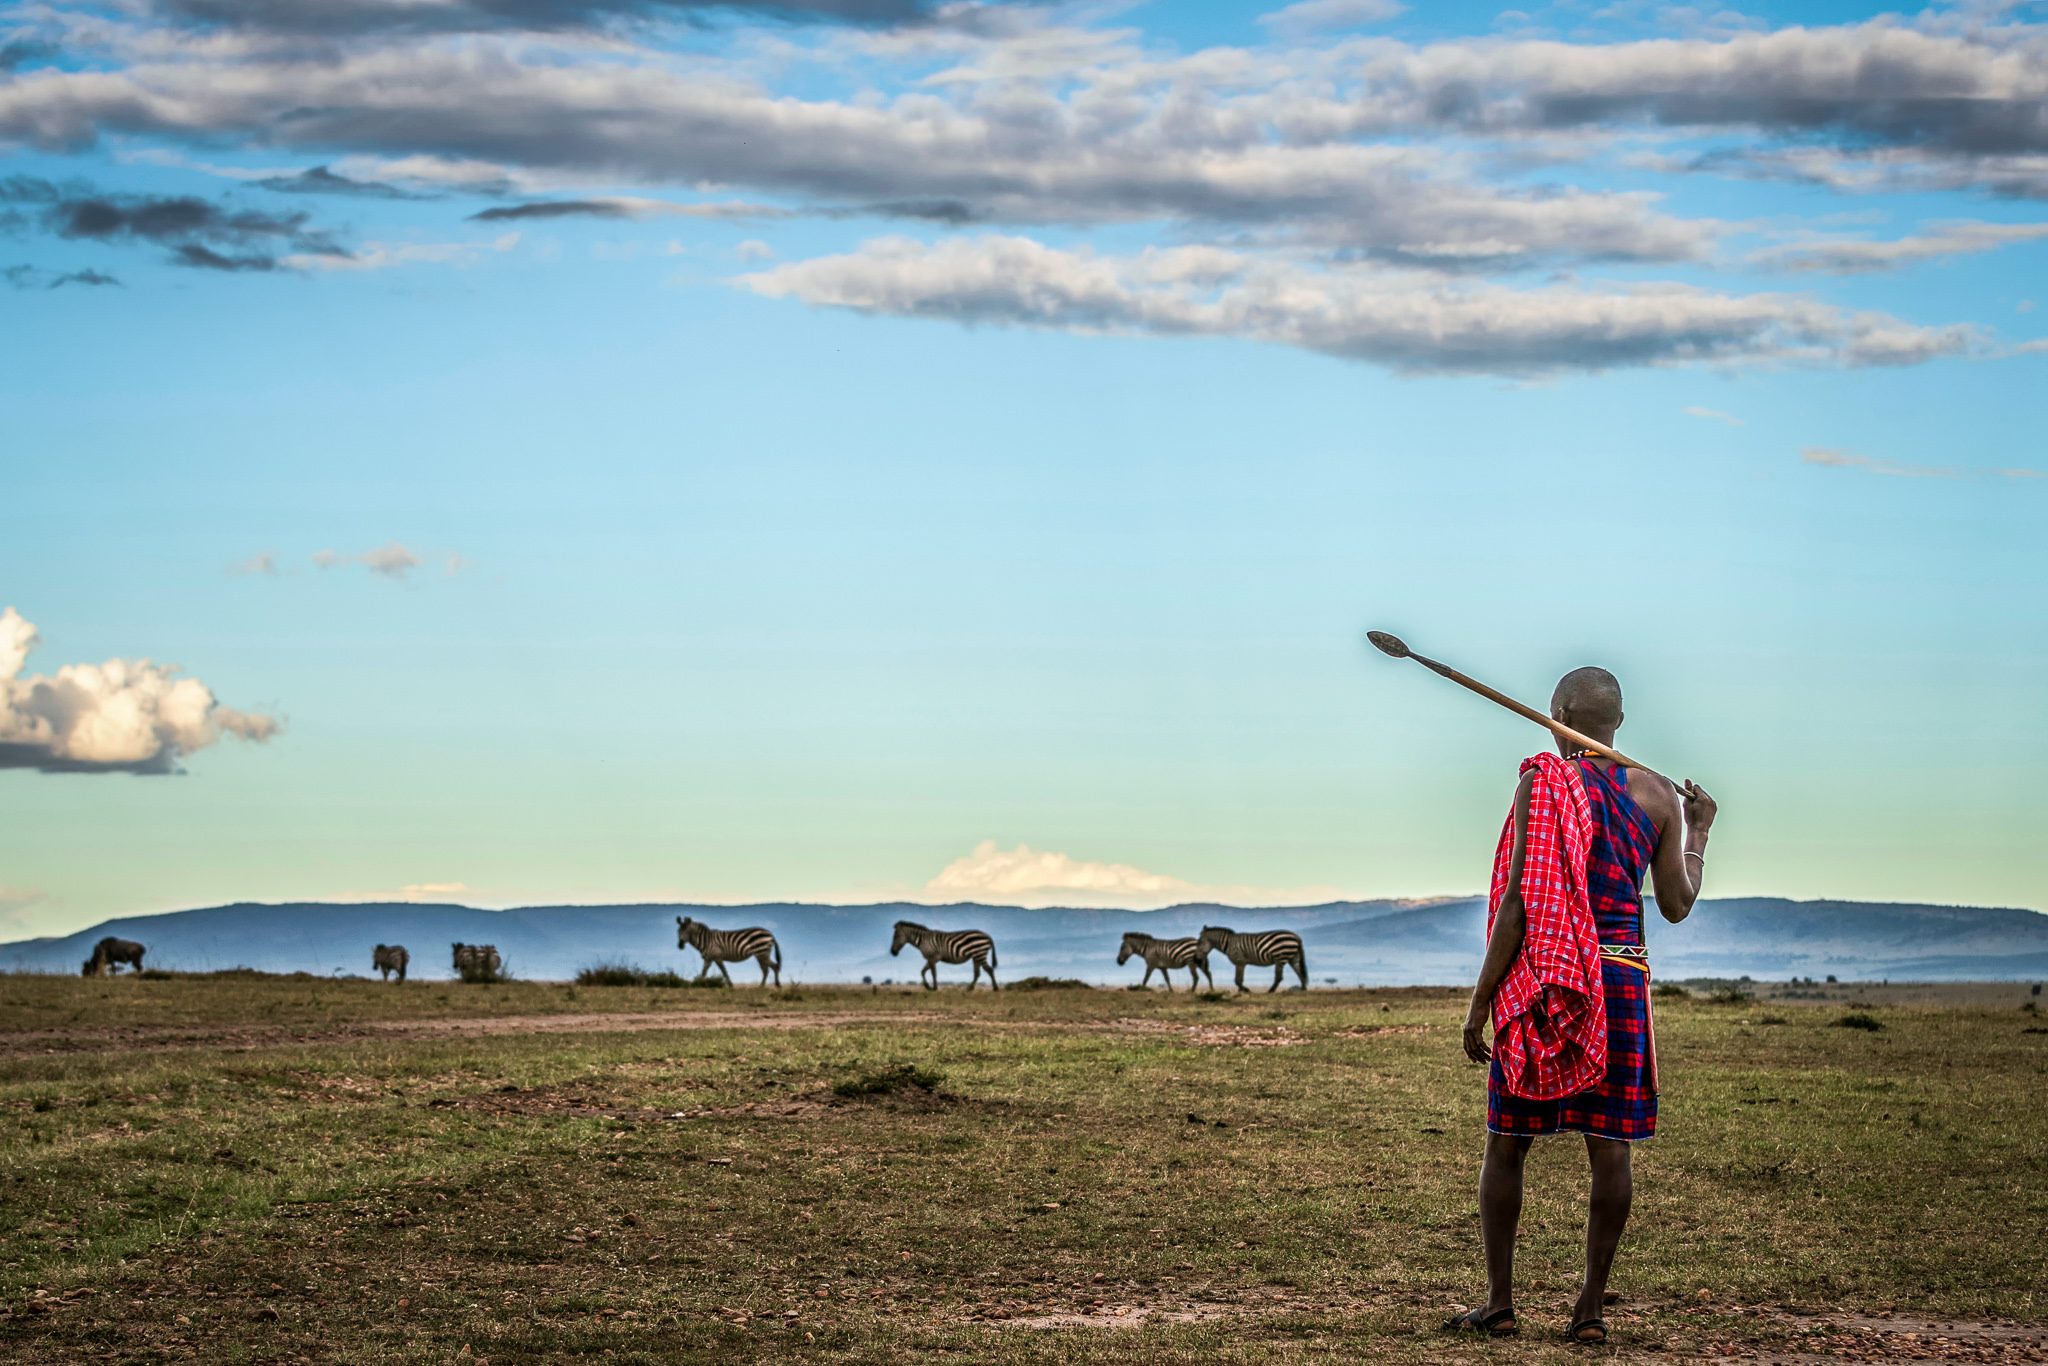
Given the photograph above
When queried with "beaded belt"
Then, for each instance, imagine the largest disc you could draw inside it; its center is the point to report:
(1638, 956)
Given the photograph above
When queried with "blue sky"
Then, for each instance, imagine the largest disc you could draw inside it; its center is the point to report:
(728, 454)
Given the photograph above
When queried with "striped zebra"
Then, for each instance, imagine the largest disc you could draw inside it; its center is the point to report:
(947, 946)
(1273, 949)
(1163, 955)
(477, 962)
(720, 947)
(390, 958)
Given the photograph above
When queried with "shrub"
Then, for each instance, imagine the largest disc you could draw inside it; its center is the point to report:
(893, 1078)
(1671, 991)
(1049, 984)
(608, 975)
(1858, 1020)
(156, 975)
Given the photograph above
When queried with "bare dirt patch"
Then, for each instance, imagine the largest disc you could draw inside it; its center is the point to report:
(1831, 1336)
(1215, 1036)
(142, 1039)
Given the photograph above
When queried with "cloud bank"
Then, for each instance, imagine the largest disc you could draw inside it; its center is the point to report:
(123, 716)
(1306, 159)
(1030, 877)
(1412, 325)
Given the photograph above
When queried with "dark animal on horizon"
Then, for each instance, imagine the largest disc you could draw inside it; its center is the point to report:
(947, 946)
(720, 947)
(109, 954)
(1275, 949)
(1163, 955)
(477, 962)
(390, 958)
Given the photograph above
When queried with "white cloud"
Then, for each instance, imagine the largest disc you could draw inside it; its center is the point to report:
(1853, 256)
(1714, 415)
(15, 904)
(754, 250)
(392, 560)
(1030, 877)
(126, 715)
(1842, 458)
(434, 891)
(1311, 17)
(387, 255)
(1412, 324)
(262, 564)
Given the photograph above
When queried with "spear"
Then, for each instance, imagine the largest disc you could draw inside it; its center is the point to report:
(1395, 646)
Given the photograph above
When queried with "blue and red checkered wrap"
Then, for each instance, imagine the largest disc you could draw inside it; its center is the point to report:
(1623, 1103)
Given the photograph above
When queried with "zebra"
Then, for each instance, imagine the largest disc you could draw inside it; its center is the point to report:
(1274, 949)
(477, 962)
(720, 947)
(1163, 955)
(110, 953)
(948, 946)
(390, 958)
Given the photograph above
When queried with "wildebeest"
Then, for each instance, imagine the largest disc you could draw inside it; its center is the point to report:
(390, 958)
(1275, 949)
(477, 962)
(720, 947)
(1163, 955)
(948, 946)
(110, 953)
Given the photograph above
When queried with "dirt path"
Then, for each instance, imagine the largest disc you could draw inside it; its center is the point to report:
(232, 1038)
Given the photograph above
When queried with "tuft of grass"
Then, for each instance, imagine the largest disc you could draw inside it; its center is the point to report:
(894, 1078)
(1856, 1019)
(630, 975)
(1049, 984)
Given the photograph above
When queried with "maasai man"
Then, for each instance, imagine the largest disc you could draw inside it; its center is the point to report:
(1567, 982)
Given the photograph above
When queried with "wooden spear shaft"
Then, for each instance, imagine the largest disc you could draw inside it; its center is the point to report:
(1393, 645)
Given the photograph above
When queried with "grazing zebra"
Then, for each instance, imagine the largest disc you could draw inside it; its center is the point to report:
(109, 954)
(477, 962)
(948, 946)
(1163, 955)
(720, 947)
(1273, 949)
(390, 958)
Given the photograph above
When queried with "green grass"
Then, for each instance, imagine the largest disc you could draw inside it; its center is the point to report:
(1303, 1174)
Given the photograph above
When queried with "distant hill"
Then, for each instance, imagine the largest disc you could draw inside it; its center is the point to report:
(1370, 942)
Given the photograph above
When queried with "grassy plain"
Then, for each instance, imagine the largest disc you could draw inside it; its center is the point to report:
(262, 1169)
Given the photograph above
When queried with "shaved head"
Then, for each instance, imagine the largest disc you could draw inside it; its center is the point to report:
(1589, 699)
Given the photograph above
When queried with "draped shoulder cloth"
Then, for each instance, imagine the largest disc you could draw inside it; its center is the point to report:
(1550, 1013)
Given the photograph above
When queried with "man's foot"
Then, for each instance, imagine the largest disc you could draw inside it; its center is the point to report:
(1588, 1332)
(1500, 1323)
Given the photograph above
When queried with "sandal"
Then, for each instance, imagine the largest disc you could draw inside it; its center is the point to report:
(1575, 1332)
(1499, 1324)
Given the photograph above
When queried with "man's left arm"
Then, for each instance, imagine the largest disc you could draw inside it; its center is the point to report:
(1684, 814)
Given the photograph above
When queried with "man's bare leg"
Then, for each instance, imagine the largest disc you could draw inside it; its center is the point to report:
(1613, 1191)
(1500, 1214)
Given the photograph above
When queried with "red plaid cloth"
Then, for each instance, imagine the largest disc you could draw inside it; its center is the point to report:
(1550, 1013)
